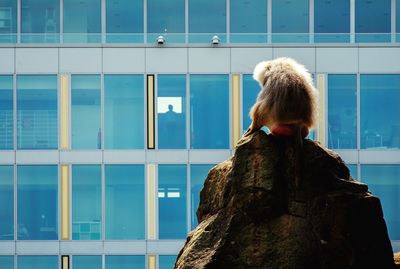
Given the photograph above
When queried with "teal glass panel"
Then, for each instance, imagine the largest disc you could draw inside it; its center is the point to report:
(87, 262)
(171, 109)
(172, 201)
(82, 21)
(198, 174)
(125, 202)
(40, 21)
(6, 112)
(250, 89)
(85, 122)
(6, 202)
(7, 262)
(383, 182)
(37, 202)
(124, 21)
(243, 29)
(342, 111)
(380, 124)
(166, 261)
(353, 170)
(332, 21)
(124, 111)
(37, 126)
(373, 20)
(8, 21)
(398, 20)
(209, 111)
(38, 262)
(86, 202)
(125, 262)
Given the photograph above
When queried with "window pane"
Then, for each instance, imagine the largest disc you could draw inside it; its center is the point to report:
(124, 21)
(6, 112)
(125, 262)
(373, 20)
(332, 20)
(37, 202)
(251, 88)
(124, 111)
(82, 21)
(86, 202)
(37, 112)
(243, 29)
(290, 21)
(209, 111)
(7, 262)
(87, 262)
(206, 19)
(166, 262)
(398, 20)
(383, 181)
(342, 111)
(353, 170)
(172, 201)
(37, 262)
(8, 21)
(86, 131)
(198, 174)
(171, 109)
(40, 21)
(166, 18)
(7, 203)
(125, 208)
(380, 124)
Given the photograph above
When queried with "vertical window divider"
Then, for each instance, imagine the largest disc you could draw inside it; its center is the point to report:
(150, 112)
(64, 126)
(358, 91)
(65, 262)
(188, 116)
(321, 122)
(102, 130)
(61, 21)
(151, 201)
(19, 17)
(103, 22)
(269, 21)
(393, 22)
(228, 18)
(145, 38)
(311, 21)
(235, 108)
(188, 200)
(15, 191)
(65, 202)
(186, 21)
(352, 21)
(15, 113)
(103, 201)
(152, 261)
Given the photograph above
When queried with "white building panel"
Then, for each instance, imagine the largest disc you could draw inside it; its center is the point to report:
(79, 156)
(337, 60)
(209, 60)
(305, 56)
(166, 60)
(123, 60)
(167, 156)
(129, 248)
(7, 61)
(124, 156)
(37, 157)
(379, 60)
(243, 60)
(82, 248)
(38, 247)
(80, 60)
(36, 60)
(7, 157)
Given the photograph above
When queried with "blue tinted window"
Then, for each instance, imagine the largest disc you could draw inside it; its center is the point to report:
(38, 262)
(383, 181)
(8, 21)
(124, 21)
(87, 262)
(37, 202)
(125, 262)
(398, 20)
(82, 21)
(332, 20)
(6, 112)
(342, 111)
(353, 170)
(209, 111)
(7, 262)
(123, 111)
(380, 123)
(251, 88)
(206, 19)
(171, 109)
(86, 130)
(290, 21)
(37, 112)
(166, 18)
(172, 201)
(125, 208)
(373, 20)
(86, 202)
(7, 203)
(243, 29)
(40, 21)
(166, 261)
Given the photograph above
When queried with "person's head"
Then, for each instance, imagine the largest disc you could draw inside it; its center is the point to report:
(170, 107)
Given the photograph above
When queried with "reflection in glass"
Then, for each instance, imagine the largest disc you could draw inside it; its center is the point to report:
(37, 202)
(353, 170)
(8, 21)
(171, 109)
(7, 203)
(166, 261)
(124, 111)
(172, 201)
(87, 262)
(6, 112)
(398, 20)
(37, 262)
(125, 262)
(7, 262)
(85, 122)
(86, 202)
(251, 88)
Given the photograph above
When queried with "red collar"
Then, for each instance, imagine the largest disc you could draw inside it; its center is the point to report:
(287, 130)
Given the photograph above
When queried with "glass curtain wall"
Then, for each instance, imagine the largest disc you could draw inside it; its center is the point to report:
(38, 262)
(6, 202)
(87, 262)
(8, 21)
(166, 261)
(7, 262)
(6, 113)
(250, 90)
(398, 21)
(126, 262)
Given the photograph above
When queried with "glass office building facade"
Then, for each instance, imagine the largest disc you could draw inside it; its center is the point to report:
(106, 136)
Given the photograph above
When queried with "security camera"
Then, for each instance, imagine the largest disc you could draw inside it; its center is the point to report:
(215, 40)
(160, 40)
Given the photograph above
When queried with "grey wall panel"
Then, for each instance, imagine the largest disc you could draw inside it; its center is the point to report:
(83, 157)
(7, 157)
(37, 156)
(208, 156)
(337, 60)
(80, 60)
(165, 247)
(82, 248)
(209, 60)
(7, 248)
(167, 156)
(243, 60)
(124, 156)
(38, 247)
(379, 156)
(123, 60)
(119, 247)
(7, 61)
(349, 156)
(379, 60)
(36, 60)
(166, 60)
(305, 56)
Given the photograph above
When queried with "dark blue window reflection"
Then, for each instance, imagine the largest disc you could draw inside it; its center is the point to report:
(37, 112)
(7, 203)
(125, 262)
(251, 88)
(383, 181)
(38, 262)
(6, 112)
(171, 109)
(124, 21)
(125, 215)
(8, 21)
(37, 202)
(380, 123)
(7, 262)
(209, 111)
(172, 201)
(353, 170)
(206, 19)
(85, 122)
(166, 18)
(342, 111)
(87, 262)
(123, 111)
(82, 21)
(332, 20)
(290, 21)
(243, 29)
(166, 261)
(373, 19)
